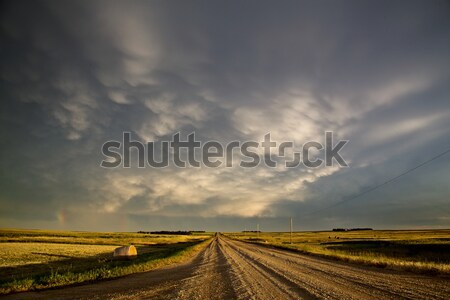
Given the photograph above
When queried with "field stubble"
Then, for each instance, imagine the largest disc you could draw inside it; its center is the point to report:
(35, 259)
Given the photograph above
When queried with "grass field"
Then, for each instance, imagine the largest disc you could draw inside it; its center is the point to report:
(92, 238)
(425, 251)
(36, 259)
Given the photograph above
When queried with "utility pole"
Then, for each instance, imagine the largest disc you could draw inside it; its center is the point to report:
(290, 223)
(257, 230)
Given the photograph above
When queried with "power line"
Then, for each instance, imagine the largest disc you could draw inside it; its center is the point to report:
(380, 185)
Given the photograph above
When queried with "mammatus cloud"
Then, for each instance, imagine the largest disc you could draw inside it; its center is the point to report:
(74, 75)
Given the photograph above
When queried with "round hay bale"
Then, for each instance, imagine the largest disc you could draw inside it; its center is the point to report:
(125, 252)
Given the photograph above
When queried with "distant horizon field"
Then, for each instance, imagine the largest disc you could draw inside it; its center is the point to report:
(90, 237)
(197, 232)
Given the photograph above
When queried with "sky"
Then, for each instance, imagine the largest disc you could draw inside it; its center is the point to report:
(75, 74)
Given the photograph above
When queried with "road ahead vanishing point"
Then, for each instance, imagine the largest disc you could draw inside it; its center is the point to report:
(229, 269)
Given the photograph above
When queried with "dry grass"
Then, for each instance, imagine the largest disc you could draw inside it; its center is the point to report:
(20, 254)
(93, 238)
(425, 251)
(29, 261)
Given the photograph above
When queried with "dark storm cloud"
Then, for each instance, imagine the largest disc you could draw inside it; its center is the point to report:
(75, 74)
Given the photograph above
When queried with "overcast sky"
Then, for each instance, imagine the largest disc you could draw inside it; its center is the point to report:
(75, 74)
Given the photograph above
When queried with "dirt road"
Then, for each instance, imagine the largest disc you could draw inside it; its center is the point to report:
(228, 269)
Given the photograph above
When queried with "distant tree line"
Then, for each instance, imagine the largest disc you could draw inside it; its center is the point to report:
(254, 231)
(351, 229)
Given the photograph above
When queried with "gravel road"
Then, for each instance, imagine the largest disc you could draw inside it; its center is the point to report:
(228, 269)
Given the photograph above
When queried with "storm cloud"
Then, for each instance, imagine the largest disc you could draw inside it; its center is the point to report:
(77, 74)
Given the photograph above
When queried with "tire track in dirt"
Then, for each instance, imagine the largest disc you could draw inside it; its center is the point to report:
(210, 280)
(329, 279)
(256, 281)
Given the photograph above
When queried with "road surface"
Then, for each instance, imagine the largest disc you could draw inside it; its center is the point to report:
(228, 269)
